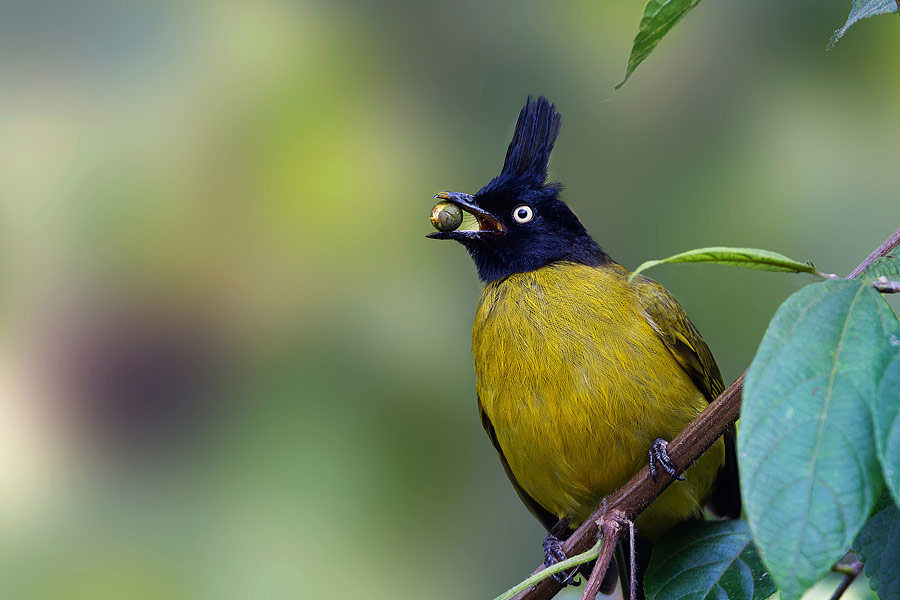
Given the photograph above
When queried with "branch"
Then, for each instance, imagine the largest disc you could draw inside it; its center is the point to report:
(880, 252)
(629, 500)
(883, 285)
(611, 530)
(850, 573)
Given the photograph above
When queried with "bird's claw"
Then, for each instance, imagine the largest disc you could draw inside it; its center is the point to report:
(553, 554)
(659, 455)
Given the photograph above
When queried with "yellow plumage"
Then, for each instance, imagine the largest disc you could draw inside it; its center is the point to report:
(578, 371)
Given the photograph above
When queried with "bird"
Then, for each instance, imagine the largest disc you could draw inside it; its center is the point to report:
(582, 374)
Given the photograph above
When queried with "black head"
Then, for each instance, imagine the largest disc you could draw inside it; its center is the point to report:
(520, 222)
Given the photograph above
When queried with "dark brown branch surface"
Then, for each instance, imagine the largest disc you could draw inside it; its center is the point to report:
(629, 500)
(854, 570)
(611, 530)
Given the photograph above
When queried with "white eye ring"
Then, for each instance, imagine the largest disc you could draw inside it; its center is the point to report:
(523, 213)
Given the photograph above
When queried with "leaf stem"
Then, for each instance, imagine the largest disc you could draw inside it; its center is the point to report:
(819, 273)
(564, 565)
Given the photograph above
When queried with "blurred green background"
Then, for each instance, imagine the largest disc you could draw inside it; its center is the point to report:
(233, 367)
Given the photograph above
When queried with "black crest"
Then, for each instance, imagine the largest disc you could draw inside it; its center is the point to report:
(528, 154)
(529, 151)
(554, 233)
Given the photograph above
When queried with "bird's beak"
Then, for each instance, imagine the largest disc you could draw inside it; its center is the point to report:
(484, 222)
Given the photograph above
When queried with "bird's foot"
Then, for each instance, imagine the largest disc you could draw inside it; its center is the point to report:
(659, 455)
(553, 554)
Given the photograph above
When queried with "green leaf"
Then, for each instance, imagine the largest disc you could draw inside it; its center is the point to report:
(886, 266)
(878, 545)
(659, 17)
(862, 9)
(809, 472)
(710, 559)
(885, 407)
(749, 258)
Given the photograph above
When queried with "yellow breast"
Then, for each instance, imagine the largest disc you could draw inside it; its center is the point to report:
(578, 386)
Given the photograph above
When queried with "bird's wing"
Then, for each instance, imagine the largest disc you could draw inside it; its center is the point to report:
(543, 515)
(683, 340)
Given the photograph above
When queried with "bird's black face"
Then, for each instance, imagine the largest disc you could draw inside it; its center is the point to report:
(517, 223)
(518, 232)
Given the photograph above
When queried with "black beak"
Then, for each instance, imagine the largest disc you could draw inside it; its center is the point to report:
(487, 223)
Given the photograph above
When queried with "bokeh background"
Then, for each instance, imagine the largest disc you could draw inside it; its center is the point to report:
(231, 365)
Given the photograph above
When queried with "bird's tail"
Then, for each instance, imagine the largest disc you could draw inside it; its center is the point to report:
(726, 497)
(608, 585)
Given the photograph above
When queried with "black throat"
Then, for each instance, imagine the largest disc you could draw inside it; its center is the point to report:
(495, 261)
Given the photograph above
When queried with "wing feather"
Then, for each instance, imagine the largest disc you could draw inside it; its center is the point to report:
(684, 341)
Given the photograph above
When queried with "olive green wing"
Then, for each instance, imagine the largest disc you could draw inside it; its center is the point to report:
(682, 339)
(547, 519)
(685, 343)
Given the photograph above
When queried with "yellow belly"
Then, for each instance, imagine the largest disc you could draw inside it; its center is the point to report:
(578, 386)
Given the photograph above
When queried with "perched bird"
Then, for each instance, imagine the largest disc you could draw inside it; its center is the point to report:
(580, 374)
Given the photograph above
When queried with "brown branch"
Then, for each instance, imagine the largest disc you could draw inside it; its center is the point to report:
(610, 529)
(886, 287)
(629, 500)
(854, 569)
(880, 252)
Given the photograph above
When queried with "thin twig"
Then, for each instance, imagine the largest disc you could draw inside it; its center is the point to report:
(610, 530)
(883, 250)
(886, 287)
(854, 569)
(844, 568)
(688, 446)
(633, 571)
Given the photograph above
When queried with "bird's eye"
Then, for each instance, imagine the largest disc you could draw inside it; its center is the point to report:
(523, 214)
